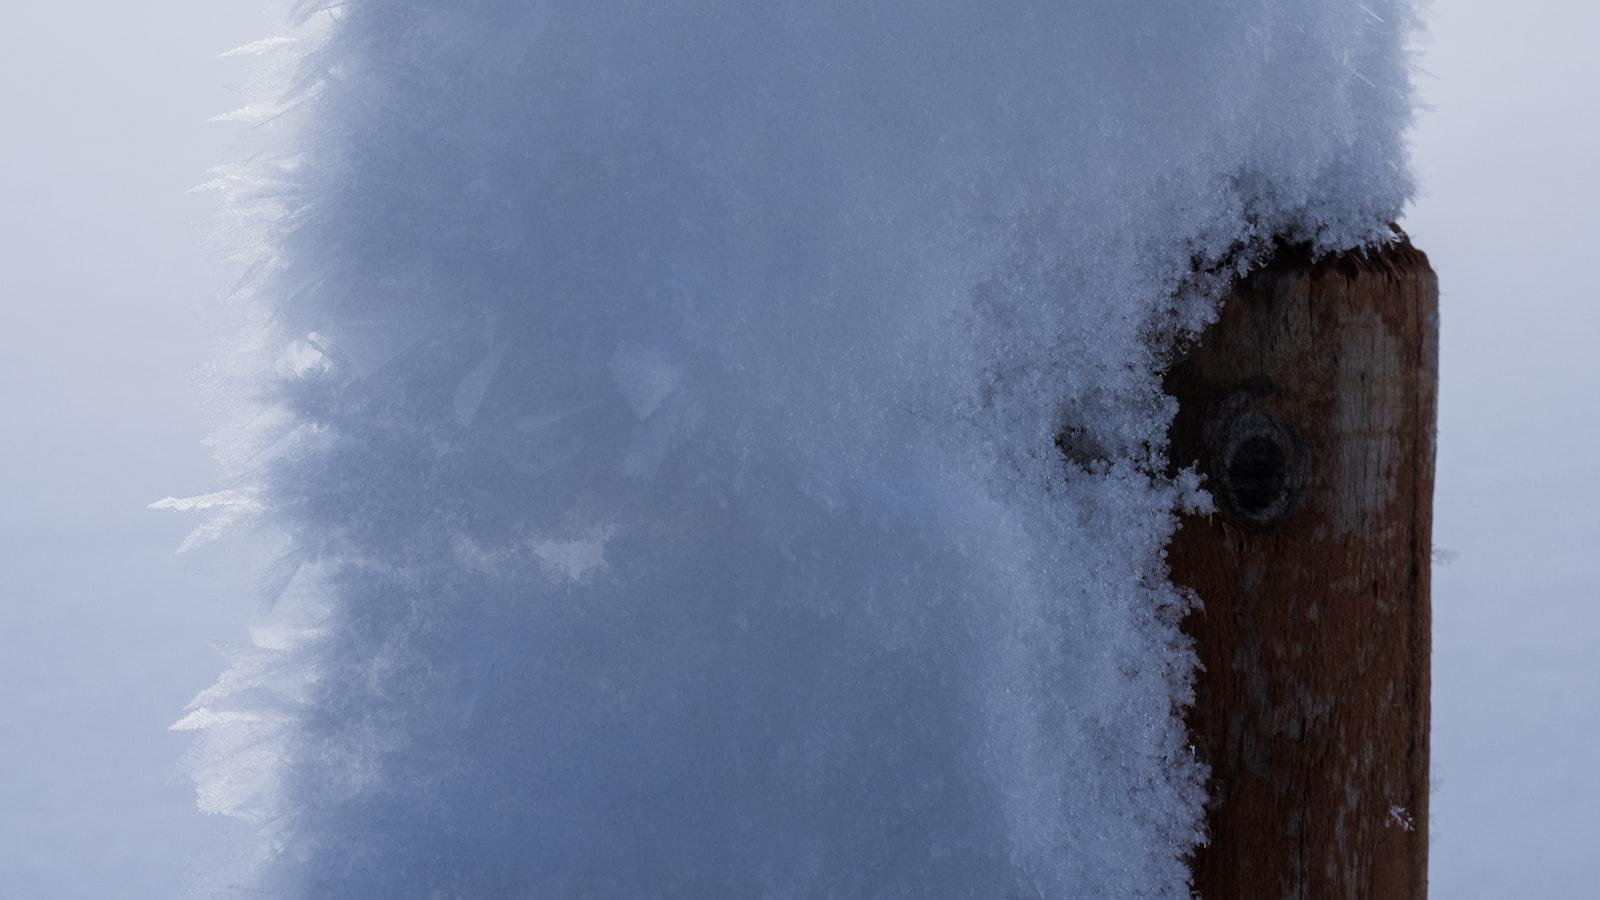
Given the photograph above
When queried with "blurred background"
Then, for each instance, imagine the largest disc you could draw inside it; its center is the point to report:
(1509, 213)
(110, 304)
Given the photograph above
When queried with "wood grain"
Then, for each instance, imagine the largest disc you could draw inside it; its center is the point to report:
(1310, 408)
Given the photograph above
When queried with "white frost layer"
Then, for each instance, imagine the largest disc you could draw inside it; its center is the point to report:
(660, 404)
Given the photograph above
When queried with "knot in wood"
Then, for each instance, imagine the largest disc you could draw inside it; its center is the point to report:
(1257, 463)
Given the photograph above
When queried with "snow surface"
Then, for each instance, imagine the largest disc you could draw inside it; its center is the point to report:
(652, 431)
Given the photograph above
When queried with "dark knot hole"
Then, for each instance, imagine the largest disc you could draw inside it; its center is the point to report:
(1258, 475)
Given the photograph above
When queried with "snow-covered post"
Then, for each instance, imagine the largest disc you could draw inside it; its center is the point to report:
(1310, 408)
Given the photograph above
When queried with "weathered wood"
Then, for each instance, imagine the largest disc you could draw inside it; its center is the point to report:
(1309, 407)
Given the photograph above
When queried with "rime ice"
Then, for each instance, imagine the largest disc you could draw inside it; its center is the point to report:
(657, 407)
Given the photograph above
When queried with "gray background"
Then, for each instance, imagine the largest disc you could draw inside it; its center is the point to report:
(1509, 217)
(109, 305)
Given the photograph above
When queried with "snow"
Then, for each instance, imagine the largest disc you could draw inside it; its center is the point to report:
(660, 403)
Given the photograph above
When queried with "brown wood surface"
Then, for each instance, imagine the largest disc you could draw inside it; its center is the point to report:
(1309, 407)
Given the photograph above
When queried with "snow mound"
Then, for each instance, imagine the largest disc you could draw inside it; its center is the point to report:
(656, 407)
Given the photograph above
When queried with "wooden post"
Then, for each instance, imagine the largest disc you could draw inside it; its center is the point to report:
(1309, 407)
